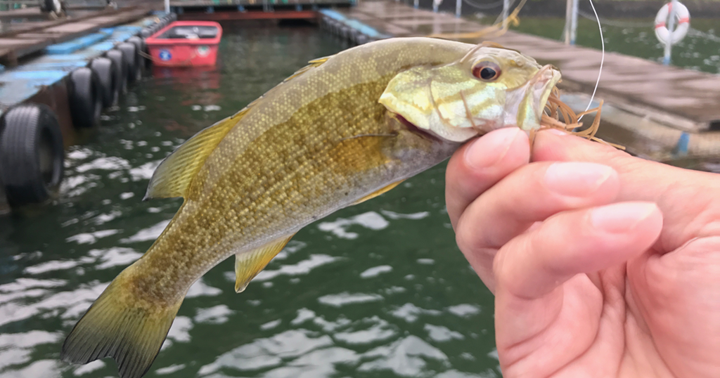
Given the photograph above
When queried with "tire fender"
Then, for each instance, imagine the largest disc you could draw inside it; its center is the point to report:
(84, 97)
(104, 69)
(31, 154)
(120, 69)
(142, 50)
(130, 55)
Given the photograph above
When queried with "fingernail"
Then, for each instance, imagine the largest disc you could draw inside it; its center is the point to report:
(491, 148)
(621, 217)
(576, 179)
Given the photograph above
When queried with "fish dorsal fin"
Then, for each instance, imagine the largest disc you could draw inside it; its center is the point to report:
(249, 264)
(311, 64)
(173, 176)
(378, 192)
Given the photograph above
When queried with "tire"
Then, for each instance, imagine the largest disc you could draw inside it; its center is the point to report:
(140, 47)
(104, 69)
(31, 154)
(85, 98)
(121, 69)
(131, 57)
(362, 39)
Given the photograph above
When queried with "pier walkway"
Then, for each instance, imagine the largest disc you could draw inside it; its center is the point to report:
(658, 102)
(18, 40)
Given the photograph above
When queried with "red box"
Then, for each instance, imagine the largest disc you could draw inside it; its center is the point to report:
(185, 43)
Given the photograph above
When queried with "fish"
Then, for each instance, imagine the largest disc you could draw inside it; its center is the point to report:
(338, 132)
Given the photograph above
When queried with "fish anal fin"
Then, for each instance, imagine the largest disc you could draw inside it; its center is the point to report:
(249, 264)
(173, 176)
(120, 325)
(379, 192)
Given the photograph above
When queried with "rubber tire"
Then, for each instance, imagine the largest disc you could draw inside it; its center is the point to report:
(362, 39)
(131, 57)
(121, 70)
(85, 98)
(31, 154)
(140, 46)
(105, 69)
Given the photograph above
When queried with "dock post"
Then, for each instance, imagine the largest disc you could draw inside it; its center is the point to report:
(683, 144)
(167, 6)
(506, 10)
(435, 6)
(568, 20)
(416, 4)
(458, 8)
(573, 22)
(671, 28)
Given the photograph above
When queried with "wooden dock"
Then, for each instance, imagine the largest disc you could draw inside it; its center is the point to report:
(662, 100)
(226, 10)
(18, 40)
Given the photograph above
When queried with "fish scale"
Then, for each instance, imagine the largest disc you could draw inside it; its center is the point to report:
(320, 141)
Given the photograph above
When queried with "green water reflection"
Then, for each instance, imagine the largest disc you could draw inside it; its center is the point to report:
(699, 50)
(376, 290)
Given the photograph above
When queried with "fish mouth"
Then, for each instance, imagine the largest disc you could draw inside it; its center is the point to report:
(524, 105)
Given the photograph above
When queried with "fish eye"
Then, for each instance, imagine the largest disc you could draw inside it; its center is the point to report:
(486, 71)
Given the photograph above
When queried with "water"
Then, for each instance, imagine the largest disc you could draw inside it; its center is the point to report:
(376, 290)
(699, 50)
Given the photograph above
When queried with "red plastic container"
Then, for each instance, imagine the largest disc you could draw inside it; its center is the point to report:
(185, 44)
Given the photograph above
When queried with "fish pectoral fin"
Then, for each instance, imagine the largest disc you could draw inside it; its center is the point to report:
(173, 176)
(249, 264)
(378, 192)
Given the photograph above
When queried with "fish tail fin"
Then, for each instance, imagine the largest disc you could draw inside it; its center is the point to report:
(120, 325)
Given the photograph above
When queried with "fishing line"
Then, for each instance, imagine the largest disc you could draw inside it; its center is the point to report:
(602, 58)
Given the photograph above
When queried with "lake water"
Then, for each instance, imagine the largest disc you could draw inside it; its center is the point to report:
(376, 290)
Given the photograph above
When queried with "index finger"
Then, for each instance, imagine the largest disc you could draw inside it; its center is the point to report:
(686, 197)
(642, 179)
(480, 164)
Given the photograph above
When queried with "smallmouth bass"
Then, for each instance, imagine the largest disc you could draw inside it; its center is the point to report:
(338, 132)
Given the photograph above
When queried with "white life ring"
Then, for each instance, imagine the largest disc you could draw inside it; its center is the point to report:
(682, 17)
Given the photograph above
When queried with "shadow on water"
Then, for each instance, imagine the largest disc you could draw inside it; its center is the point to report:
(376, 290)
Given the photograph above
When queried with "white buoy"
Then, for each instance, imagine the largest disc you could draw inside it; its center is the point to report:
(665, 30)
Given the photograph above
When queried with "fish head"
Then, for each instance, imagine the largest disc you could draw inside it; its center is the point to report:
(489, 88)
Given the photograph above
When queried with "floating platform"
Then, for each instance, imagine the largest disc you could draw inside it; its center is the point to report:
(225, 10)
(48, 98)
(656, 111)
(25, 38)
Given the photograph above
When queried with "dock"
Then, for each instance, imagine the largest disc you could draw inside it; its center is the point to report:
(656, 111)
(18, 40)
(235, 10)
(58, 74)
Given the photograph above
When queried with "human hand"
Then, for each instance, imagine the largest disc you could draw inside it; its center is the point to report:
(602, 264)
